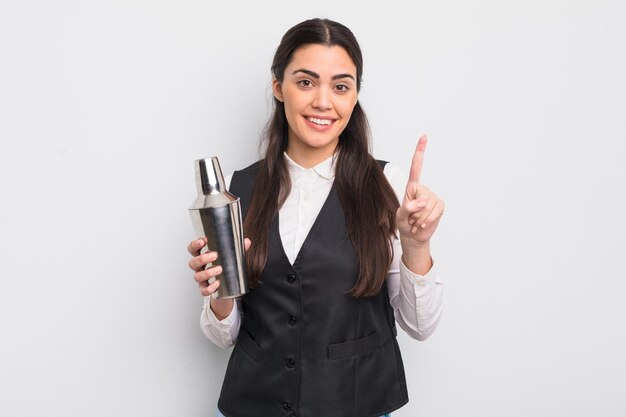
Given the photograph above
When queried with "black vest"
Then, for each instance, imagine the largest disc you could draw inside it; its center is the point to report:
(306, 348)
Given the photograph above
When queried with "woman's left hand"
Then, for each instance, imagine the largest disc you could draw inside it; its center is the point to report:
(418, 216)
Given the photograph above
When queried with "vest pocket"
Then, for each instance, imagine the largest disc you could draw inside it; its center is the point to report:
(249, 346)
(357, 347)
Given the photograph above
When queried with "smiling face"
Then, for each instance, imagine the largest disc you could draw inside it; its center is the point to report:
(319, 91)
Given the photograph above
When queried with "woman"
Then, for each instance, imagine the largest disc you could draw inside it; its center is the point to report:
(335, 260)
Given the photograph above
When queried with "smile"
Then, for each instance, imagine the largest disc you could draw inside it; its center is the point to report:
(323, 122)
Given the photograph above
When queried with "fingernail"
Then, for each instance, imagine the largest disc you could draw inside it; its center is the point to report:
(413, 229)
(421, 204)
(423, 225)
(411, 221)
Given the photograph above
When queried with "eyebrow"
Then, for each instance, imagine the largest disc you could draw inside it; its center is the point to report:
(317, 76)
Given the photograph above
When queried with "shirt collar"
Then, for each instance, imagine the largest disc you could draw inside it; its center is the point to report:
(325, 169)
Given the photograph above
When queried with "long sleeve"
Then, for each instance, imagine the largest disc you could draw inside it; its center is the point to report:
(221, 332)
(416, 299)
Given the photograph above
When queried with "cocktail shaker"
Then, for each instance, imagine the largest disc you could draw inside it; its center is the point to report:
(216, 214)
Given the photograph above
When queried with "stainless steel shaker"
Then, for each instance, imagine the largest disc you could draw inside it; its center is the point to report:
(216, 214)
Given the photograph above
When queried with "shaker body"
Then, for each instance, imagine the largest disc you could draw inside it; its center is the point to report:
(216, 215)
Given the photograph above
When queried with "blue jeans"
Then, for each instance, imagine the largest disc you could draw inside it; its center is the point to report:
(219, 414)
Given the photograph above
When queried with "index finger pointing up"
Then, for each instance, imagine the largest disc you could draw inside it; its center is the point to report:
(418, 160)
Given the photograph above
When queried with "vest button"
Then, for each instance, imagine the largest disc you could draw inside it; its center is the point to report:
(292, 320)
(286, 406)
(291, 278)
(290, 363)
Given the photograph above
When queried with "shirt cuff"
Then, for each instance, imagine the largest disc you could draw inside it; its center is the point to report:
(221, 332)
(225, 324)
(420, 284)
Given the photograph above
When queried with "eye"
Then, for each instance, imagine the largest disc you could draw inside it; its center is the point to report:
(305, 83)
(342, 88)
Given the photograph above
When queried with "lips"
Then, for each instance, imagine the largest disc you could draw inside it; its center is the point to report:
(320, 122)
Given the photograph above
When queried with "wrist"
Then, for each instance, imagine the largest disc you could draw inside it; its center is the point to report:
(410, 244)
(416, 256)
(221, 308)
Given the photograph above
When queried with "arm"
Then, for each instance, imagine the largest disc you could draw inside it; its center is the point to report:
(418, 216)
(220, 319)
(415, 290)
(416, 299)
(221, 332)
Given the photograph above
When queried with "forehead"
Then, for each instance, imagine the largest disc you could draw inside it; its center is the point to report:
(323, 59)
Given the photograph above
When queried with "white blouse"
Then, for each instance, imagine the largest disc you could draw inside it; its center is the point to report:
(416, 299)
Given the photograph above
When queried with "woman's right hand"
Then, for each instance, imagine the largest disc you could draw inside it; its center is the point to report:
(198, 263)
(202, 276)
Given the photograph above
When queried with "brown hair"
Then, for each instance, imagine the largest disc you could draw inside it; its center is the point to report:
(368, 201)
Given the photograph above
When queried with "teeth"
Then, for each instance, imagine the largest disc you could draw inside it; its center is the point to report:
(319, 121)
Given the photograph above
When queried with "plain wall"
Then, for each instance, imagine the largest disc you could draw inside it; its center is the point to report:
(105, 105)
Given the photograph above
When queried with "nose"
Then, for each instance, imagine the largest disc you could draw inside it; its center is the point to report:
(322, 99)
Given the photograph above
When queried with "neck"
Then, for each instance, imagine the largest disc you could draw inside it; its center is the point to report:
(309, 157)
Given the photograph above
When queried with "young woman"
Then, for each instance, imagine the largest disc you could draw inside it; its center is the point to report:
(334, 260)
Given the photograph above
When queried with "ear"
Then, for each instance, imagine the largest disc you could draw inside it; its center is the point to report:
(277, 89)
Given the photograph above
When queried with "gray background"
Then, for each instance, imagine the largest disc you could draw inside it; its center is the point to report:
(105, 105)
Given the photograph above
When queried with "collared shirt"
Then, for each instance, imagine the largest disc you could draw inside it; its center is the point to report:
(416, 299)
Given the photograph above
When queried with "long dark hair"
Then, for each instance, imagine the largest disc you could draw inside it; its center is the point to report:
(368, 201)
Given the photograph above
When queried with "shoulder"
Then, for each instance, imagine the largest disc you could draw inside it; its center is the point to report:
(246, 174)
(392, 171)
(242, 181)
(249, 170)
(397, 178)
(382, 163)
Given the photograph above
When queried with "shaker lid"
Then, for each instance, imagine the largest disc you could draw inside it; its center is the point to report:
(210, 184)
